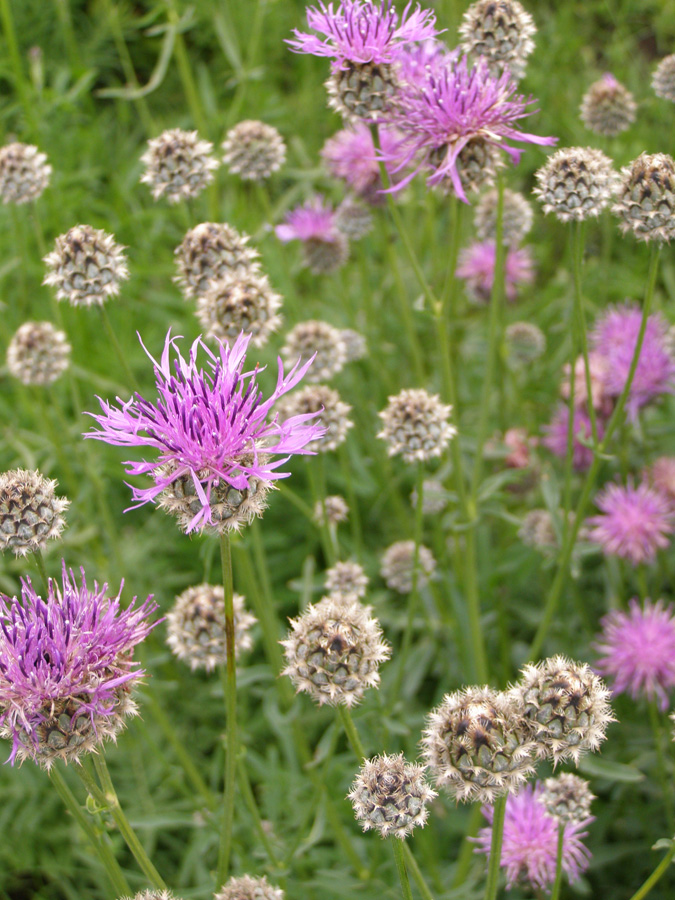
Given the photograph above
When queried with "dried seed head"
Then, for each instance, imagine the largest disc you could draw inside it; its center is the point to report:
(334, 650)
(355, 343)
(362, 90)
(196, 626)
(607, 108)
(353, 219)
(525, 342)
(477, 165)
(336, 510)
(397, 565)
(566, 706)
(247, 888)
(390, 795)
(24, 173)
(434, 497)
(86, 266)
(477, 745)
(240, 302)
(576, 183)
(325, 256)
(415, 425)
(661, 475)
(178, 165)
(30, 512)
(314, 337)
(230, 508)
(152, 894)
(501, 32)
(516, 217)
(210, 252)
(645, 198)
(38, 353)
(537, 530)
(567, 798)
(253, 150)
(346, 580)
(319, 398)
(663, 80)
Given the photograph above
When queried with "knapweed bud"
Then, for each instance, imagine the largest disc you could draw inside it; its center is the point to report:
(391, 795)
(566, 707)
(517, 216)
(24, 173)
(501, 32)
(607, 108)
(86, 266)
(525, 342)
(434, 497)
(346, 580)
(355, 343)
(333, 414)
(576, 183)
(210, 252)
(353, 219)
(307, 338)
(30, 512)
(415, 424)
(477, 165)
(362, 90)
(153, 894)
(178, 165)
(253, 150)
(477, 744)
(240, 302)
(397, 565)
(567, 798)
(537, 530)
(333, 509)
(663, 80)
(248, 888)
(38, 353)
(334, 650)
(324, 247)
(645, 198)
(196, 626)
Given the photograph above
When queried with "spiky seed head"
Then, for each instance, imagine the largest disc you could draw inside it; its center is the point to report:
(248, 888)
(362, 90)
(567, 798)
(576, 183)
(230, 508)
(210, 252)
(38, 353)
(30, 512)
(334, 650)
(353, 219)
(313, 336)
(24, 173)
(346, 580)
(325, 256)
(178, 165)
(477, 165)
(434, 497)
(415, 424)
(253, 150)
(645, 198)
(566, 706)
(152, 894)
(390, 794)
(355, 343)
(86, 266)
(332, 414)
(240, 302)
(196, 626)
(537, 530)
(501, 32)
(334, 508)
(517, 217)
(663, 80)
(525, 342)
(607, 107)
(477, 745)
(398, 563)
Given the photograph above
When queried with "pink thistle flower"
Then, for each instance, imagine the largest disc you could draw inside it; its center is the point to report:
(615, 337)
(477, 268)
(314, 221)
(556, 436)
(636, 522)
(530, 845)
(209, 426)
(351, 156)
(597, 368)
(519, 444)
(661, 476)
(638, 650)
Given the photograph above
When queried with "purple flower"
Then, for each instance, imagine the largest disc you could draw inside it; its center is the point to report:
(615, 337)
(556, 436)
(638, 650)
(211, 432)
(530, 845)
(350, 155)
(362, 31)
(451, 105)
(636, 522)
(477, 267)
(314, 221)
(66, 668)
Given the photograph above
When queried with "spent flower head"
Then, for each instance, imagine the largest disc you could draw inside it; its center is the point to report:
(346, 580)
(246, 887)
(477, 268)
(567, 798)
(86, 266)
(501, 33)
(38, 353)
(178, 165)
(415, 424)
(253, 150)
(663, 79)
(325, 247)
(332, 509)
(635, 522)
(607, 108)
(24, 173)
(576, 183)
(324, 343)
(210, 252)
(398, 564)
(30, 511)
(240, 302)
(517, 216)
(332, 414)
(645, 197)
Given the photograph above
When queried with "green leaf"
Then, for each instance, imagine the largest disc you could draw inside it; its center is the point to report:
(612, 771)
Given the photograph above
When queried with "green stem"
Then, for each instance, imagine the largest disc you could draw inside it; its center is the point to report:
(230, 686)
(667, 796)
(397, 846)
(496, 848)
(250, 801)
(578, 254)
(557, 884)
(128, 66)
(20, 81)
(352, 733)
(319, 499)
(656, 875)
(186, 77)
(354, 516)
(416, 872)
(466, 854)
(69, 39)
(40, 564)
(133, 384)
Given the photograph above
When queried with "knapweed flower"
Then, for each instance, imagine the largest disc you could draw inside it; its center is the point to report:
(178, 165)
(253, 150)
(245, 887)
(346, 580)
(567, 798)
(555, 436)
(537, 530)
(638, 650)
(525, 342)
(519, 443)
(517, 216)
(477, 268)
(240, 302)
(324, 246)
(453, 111)
(530, 842)
(415, 424)
(390, 795)
(607, 108)
(38, 353)
(322, 342)
(355, 343)
(499, 32)
(576, 183)
(24, 173)
(214, 441)
(86, 266)
(333, 510)
(597, 370)
(332, 414)
(350, 155)
(30, 511)
(209, 252)
(66, 668)
(645, 197)
(152, 894)
(635, 523)
(614, 338)
(663, 80)
(397, 566)
(661, 476)
(353, 218)
(364, 39)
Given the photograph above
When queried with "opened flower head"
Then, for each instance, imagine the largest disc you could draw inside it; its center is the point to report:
(213, 435)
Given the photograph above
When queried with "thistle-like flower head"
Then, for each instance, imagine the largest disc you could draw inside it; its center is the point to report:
(24, 173)
(635, 522)
(645, 197)
(331, 413)
(178, 165)
(556, 432)
(38, 353)
(501, 32)
(415, 424)
(346, 580)
(607, 107)
(477, 268)
(325, 247)
(576, 183)
(30, 511)
(253, 150)
(86, 266)
(246, 887)
(567, 798)
(398, 563)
